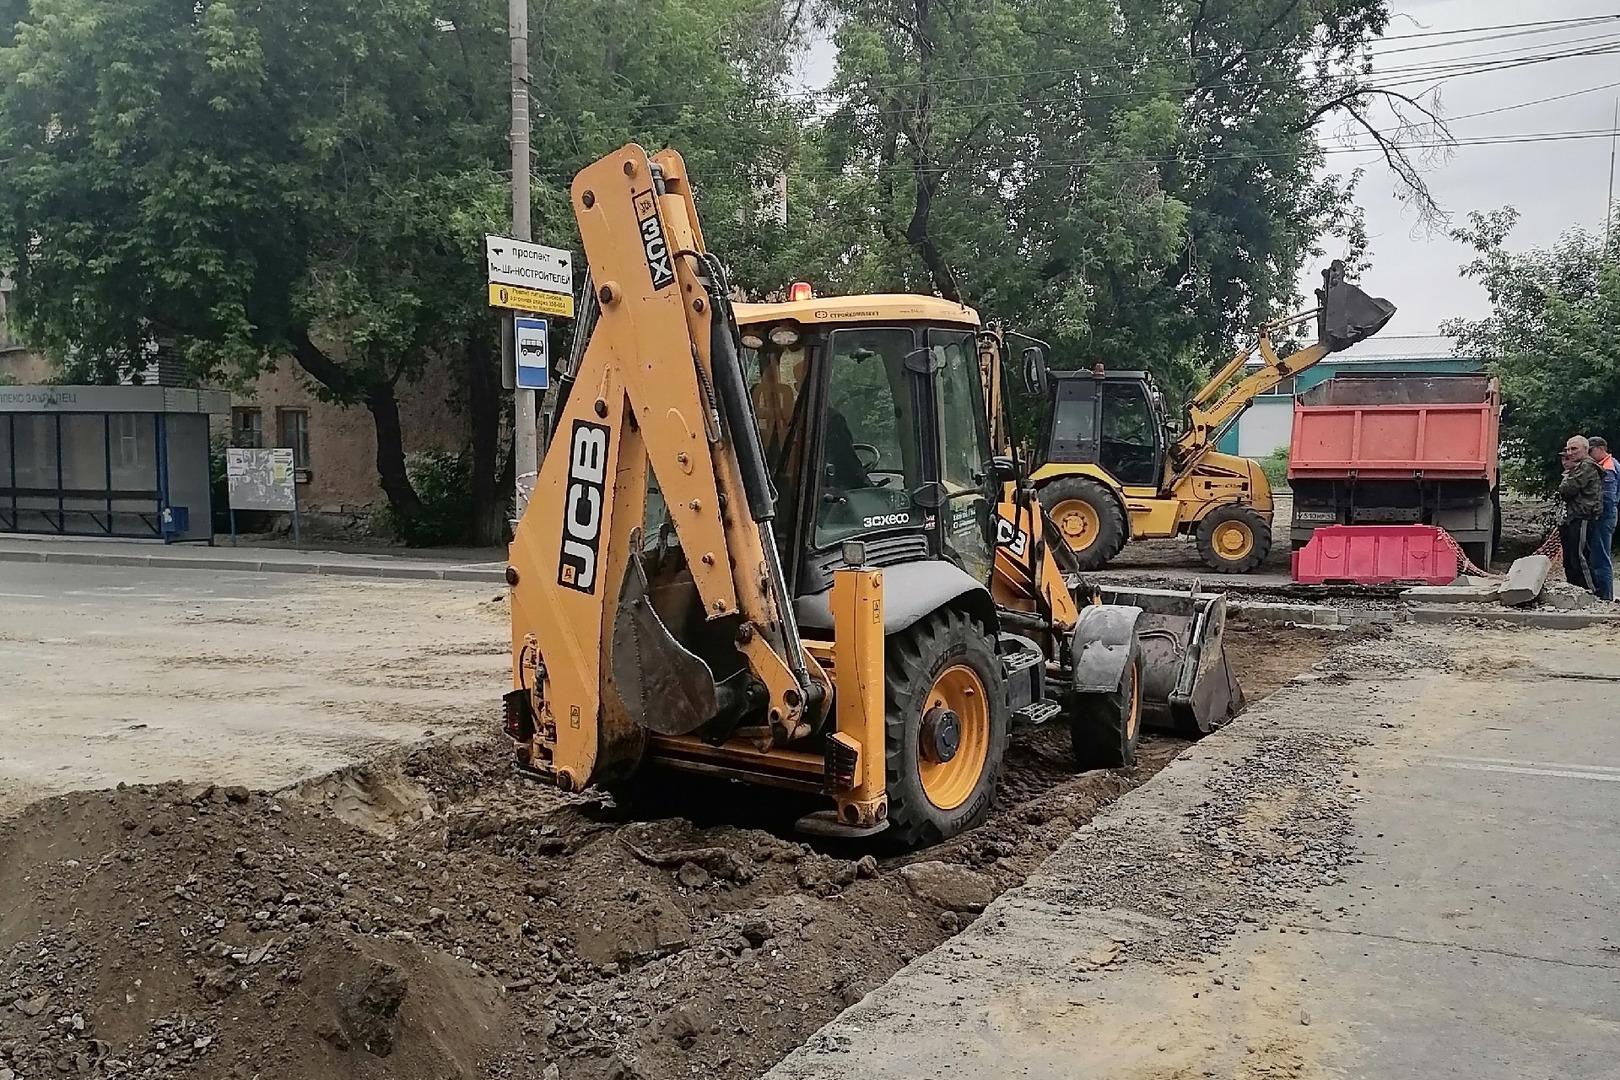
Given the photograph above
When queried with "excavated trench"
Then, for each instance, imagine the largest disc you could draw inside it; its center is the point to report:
(431, 916)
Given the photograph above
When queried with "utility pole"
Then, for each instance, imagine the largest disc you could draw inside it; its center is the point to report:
(1608, 212)
(525, 437)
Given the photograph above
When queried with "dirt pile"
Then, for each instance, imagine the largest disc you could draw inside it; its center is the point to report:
(433, 917)
(436, 918)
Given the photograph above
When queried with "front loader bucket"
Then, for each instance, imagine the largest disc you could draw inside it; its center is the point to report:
(1347, 315)
(1187, 684)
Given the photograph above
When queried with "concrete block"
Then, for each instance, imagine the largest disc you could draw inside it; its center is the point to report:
(495, 575)
(1450, 594)
(282, 566)
(419, 573)
(1525, 580)
(97, 558)
(1547, 620)
(351, 570)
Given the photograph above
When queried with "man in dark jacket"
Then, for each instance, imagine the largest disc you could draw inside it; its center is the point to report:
(1581, 490)
(1600, 544)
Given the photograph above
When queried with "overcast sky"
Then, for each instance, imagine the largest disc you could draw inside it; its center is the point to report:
(1555, 185)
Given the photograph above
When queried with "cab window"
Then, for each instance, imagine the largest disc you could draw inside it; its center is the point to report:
(1130, 445)
(869, 459)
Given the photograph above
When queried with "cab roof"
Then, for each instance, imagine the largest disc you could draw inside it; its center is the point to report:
(873, 307)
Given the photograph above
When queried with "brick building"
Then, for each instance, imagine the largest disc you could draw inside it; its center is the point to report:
(335, 448)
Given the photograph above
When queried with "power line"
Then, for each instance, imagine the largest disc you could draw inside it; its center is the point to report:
(1400, 76)
(1548, 25)
(1537, 101)
(1524, 138)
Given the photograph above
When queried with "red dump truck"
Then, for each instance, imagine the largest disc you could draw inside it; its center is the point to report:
(1399, 450)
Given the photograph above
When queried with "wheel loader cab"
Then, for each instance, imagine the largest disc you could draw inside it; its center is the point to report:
(1113, 420)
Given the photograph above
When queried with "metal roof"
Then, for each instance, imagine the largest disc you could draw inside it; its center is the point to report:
(1383, 347)
(1396, 349)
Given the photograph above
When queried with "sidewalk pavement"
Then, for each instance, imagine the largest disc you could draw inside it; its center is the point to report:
(1402, 867)
(83, 551)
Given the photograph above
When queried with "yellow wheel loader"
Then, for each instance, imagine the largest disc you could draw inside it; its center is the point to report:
(772, 543)
(1112, 469)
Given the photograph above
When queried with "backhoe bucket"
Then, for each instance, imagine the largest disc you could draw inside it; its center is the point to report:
(663, 686)
(1187, 685)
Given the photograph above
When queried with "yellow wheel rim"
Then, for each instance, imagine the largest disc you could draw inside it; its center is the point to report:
(1078, 521)
(949, 783)
(1133, 719)
(1232, 540)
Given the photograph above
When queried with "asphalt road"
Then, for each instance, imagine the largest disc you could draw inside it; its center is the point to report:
(140, 675)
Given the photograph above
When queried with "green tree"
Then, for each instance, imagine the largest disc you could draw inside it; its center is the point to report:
(1136, 182)
(245, 183)
(1553, 337)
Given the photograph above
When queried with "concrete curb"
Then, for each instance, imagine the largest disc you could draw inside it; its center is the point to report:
(258, 566)
(1344, 618)
(1314, 614)
(1549, 620)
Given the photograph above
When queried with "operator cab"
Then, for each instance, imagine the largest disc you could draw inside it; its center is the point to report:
(874, 424)
(1112, 419)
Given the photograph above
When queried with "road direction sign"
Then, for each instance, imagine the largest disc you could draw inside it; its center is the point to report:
(529, 266)
(533, 371)
(541, 303)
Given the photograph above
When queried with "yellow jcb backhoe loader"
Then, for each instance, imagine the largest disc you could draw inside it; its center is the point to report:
(784, 553)
(1112, 470)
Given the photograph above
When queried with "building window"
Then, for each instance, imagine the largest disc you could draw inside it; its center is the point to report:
(1282, 389)
(247, 428)
(292, 429)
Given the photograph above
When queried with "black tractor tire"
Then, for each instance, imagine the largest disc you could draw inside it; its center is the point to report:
(1107, 726)
(1225, 560)
(916, 659)
(1107, 538)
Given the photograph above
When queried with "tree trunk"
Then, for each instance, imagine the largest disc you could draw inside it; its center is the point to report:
(923, 241)
(491, 500)
(396, 482)
(384, 408)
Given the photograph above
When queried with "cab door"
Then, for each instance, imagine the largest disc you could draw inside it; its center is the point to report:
(963, 441)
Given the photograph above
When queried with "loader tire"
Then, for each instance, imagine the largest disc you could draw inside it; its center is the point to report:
(1107, 726)
(1233, 539)
(945, 728)
(1089, 518)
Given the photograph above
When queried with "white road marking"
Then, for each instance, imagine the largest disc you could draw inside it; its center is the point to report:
(1560, 774)
(24, 595)
(1518, 763)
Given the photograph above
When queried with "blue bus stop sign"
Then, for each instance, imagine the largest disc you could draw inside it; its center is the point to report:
(529, 337)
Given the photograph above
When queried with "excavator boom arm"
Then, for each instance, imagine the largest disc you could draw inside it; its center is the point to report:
(656, 390)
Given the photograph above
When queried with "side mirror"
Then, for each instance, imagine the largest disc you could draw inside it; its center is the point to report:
(1035, 370)
(1004, 469)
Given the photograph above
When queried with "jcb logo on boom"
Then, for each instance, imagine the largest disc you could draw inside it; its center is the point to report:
(653, 244)
(582, 507)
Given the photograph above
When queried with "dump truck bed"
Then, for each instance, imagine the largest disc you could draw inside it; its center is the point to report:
(1433, 427)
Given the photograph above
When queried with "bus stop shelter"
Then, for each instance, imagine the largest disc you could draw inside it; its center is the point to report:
(127, 461)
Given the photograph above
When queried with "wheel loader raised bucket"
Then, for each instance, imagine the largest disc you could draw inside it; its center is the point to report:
(1188, 685)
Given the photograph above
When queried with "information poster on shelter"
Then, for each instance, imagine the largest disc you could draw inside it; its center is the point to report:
(261, 479)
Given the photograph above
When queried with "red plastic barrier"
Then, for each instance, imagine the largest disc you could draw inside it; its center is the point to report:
(1376, 555)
